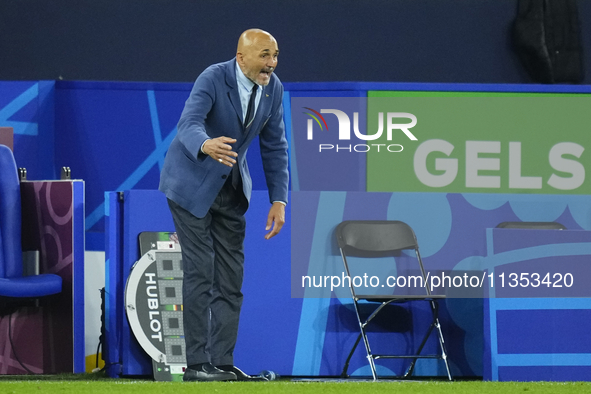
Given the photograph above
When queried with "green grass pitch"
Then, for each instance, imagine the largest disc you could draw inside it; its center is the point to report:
(92, 384)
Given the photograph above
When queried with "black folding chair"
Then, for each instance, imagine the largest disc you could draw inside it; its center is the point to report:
(371, 239)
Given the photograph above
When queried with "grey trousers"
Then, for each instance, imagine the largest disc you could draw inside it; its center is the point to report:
(213, 266)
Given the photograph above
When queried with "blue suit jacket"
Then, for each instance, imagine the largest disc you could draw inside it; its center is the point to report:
(193, 179)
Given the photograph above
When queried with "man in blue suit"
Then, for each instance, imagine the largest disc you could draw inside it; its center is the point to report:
(206, 180)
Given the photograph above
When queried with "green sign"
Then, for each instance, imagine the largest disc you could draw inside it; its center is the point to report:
(479, 143)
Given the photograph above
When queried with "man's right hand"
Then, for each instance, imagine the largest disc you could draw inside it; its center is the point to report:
(220, 151)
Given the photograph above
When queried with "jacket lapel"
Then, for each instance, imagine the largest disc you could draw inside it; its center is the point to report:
(233, 88)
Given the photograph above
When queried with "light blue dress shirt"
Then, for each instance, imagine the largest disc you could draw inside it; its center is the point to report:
(245, 89)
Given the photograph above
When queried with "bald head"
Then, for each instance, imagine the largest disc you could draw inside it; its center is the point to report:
(256, 55)
(253, 36)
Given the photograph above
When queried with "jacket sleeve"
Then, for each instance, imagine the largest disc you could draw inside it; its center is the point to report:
(274, 151)
(191, 126)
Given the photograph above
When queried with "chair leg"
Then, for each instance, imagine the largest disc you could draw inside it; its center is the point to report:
(443, 351)
(434, 324)
(346, 367)
(435, 311)
(369, 357)
(365, 341)
(419, 350)
(372, 364)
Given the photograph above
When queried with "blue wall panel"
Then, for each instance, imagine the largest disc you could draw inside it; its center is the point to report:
(114, 138)
(520, 331)
(28, 107)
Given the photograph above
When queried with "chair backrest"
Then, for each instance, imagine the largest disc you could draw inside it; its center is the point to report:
(11, 259)
(533, 225)
(375, 237)
(378, 238)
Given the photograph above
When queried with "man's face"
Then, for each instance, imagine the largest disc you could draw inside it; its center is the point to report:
(257, 61)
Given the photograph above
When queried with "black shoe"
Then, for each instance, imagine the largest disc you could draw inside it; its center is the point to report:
(242, 376)
(207, 373)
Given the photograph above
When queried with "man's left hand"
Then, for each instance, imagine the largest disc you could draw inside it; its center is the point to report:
(276, 219)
